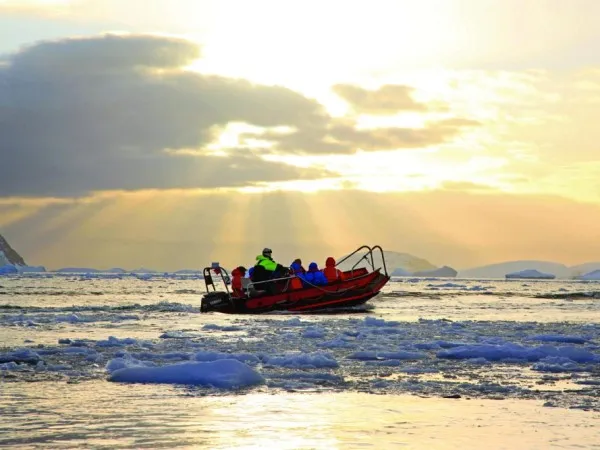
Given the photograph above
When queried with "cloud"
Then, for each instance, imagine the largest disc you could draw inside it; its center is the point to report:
(387, 100)
(98, 113)
(343, 137)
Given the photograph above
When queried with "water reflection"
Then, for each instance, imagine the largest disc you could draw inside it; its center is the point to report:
(99, 414)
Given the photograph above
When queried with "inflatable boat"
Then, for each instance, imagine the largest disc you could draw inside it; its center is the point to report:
(361, 282)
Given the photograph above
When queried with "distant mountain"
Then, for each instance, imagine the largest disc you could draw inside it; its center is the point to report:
(501, 269)
(394, 260)
(8, 255)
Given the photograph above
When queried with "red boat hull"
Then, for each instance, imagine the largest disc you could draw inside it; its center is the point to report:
(356, 288)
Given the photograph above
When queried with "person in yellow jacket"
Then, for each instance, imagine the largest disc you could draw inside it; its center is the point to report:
(266, 268)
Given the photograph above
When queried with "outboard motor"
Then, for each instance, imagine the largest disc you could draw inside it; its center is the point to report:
(216, 301)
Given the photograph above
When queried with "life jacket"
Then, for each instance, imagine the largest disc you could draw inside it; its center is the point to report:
(331, 272)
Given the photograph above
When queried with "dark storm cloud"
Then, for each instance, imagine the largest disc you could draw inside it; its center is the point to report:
(98, 113)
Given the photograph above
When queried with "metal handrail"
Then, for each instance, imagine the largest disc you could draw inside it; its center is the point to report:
(208, 280)
(252, 283)
(366, 256)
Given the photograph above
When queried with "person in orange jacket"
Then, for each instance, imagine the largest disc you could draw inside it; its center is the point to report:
(331, 272)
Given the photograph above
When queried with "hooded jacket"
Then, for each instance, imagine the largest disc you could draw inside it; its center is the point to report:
(264, 268)
(297, 269)
(314, 275)
(236, 283)
(267, 263)
(331, 272)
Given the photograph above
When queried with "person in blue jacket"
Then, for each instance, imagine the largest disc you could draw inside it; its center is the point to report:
(314, 276)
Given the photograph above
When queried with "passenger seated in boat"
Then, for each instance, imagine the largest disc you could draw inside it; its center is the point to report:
(236, 281)
(266, 269)
(331, 272)
(298, 272)
(298, 264)
(314, 276)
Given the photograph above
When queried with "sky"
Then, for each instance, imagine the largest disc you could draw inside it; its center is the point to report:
(172, 133)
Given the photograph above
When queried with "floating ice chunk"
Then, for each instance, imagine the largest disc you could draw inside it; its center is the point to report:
(477, 288)
(557, 364)
(416, 370)
(126, 361)
(559, 338)
(77, 351)
(373, 355)
(116, 342)
(403, 355)
(313, 332)
(13, 366)
(215, 356)
(175, 335)
(386, 363)
(224, 373)
(449, 285)
(477, 361)
(302, 360)
(426, 345)
(363, 355)
(312, 376)
(514, 352)
(338, 342)
(23, 355)
(446, 344)
(374, 322)
(212, 326)
(71, 318)
(294, 322)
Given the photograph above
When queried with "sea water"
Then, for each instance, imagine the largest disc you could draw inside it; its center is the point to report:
(429, 363)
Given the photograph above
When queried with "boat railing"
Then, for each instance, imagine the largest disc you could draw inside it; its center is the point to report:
(287, 279)
(368, 257)
(208, 278)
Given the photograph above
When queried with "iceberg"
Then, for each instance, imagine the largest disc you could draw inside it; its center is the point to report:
(8, 269)
(441, 272)
(530, 274)
(222, 373)
(590, 276)
(500, 270)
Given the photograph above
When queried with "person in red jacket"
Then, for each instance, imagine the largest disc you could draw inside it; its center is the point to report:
(236, 282)
(331, 272)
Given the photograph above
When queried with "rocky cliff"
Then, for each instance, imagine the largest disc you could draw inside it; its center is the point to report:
(8, 255)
